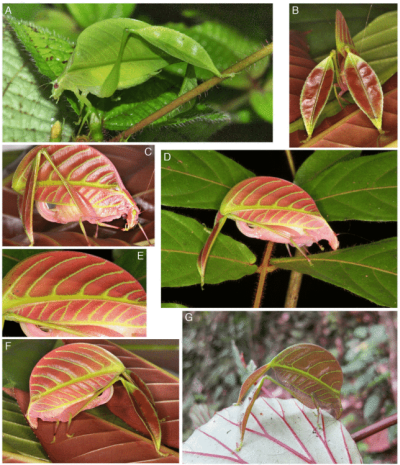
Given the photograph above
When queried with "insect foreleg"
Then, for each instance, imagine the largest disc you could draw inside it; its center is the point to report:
(84, 231)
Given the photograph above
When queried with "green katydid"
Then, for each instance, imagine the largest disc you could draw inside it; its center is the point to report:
(116, 54)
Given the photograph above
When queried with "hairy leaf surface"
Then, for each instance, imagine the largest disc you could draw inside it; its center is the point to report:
(74, 293)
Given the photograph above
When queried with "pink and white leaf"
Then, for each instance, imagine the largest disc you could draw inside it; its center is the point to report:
(278, 431)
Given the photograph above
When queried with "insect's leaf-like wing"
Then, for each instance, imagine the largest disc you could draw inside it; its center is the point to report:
(312, 375)
(73, 292)
(179, 46)
(276, 210)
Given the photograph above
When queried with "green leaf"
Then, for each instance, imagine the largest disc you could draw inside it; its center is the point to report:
(19, 441)
(173, 306)
(225, 46)
(363, 189)
(371, 406)
(49, 51)
(28, 113)
(58, 21)
(198, 179)
(133, 261)
(13, 256)
(182, 241)
(89, 13)
(199, 123)
(19, 359)
(369, 271)
(261, 101)
(320, 161)
(320, 19)
(377, 45)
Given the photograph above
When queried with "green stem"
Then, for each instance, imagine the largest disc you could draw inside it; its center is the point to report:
(204, 87)
(289, 157)
(264, 269)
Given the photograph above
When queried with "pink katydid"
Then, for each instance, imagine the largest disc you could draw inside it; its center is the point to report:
(80, 376)
(270, 209)
(72, 183)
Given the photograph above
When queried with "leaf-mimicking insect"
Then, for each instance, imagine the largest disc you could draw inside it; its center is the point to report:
(270, 209)
(80, 376)
(120, 53)
(352, 74)
(72, 183)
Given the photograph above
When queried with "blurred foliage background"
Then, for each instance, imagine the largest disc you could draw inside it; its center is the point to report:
(220, 349)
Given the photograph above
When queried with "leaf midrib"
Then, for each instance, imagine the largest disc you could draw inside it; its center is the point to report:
(307, 375)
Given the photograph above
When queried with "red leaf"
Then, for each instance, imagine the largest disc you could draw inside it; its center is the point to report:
(300, 66)
(94, 441)
(352, 128)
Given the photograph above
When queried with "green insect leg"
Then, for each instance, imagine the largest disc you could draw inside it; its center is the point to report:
(299, 249)
(111, 82)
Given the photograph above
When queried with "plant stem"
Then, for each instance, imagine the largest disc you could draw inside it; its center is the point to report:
(291, 162)
(204, 87)
(264, 268)
(292, 294)
(375, 428)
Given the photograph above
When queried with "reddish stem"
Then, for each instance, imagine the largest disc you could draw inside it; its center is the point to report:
(375, 428)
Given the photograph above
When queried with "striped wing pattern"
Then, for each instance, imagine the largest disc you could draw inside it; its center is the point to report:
(76, 291)
(99, 193)
(65, 379)
(312, 374)
(275, 209)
